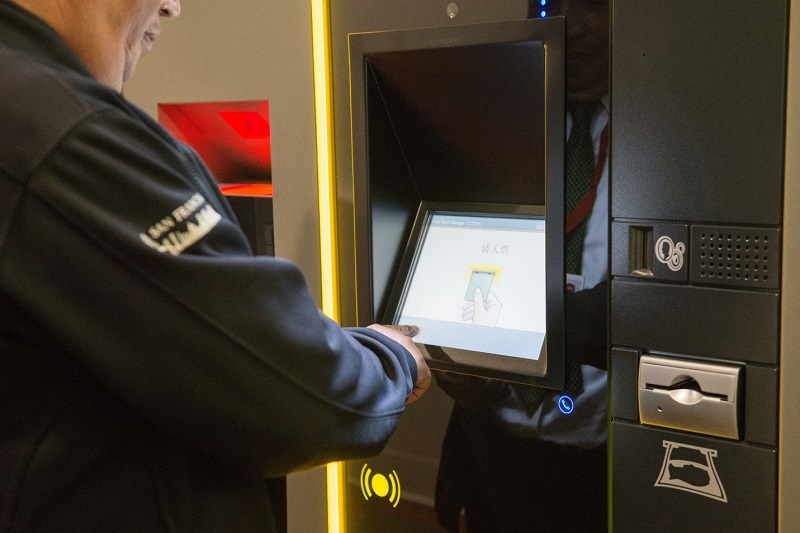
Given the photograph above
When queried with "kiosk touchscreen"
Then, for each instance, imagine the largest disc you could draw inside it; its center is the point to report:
(474, 281)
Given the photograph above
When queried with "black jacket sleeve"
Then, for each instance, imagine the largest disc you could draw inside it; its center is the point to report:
(121, 248)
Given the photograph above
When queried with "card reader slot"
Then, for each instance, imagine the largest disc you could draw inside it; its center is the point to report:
(687, 384)
(691, 395)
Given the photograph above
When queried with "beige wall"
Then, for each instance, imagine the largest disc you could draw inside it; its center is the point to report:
(249, 50)
(789, 446)
(255, 50)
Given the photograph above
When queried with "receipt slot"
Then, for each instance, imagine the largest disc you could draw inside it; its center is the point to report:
(692, 396)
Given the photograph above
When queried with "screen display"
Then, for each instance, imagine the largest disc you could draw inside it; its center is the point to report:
(478, 283)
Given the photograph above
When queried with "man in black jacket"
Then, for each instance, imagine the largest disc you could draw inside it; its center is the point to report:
(152, 372)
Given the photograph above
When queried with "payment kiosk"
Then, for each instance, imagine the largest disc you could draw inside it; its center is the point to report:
(457, 139)
(698, 95)
(703, 295)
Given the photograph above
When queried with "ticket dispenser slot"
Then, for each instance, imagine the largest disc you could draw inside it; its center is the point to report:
(691, 396)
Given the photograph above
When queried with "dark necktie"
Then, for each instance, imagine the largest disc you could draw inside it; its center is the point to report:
(578, 169)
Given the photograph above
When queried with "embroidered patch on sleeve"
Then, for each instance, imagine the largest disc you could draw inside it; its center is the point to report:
(184, 226)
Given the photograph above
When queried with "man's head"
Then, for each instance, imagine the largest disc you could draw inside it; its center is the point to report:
(109, 36)
(587, 44)
(143, 27)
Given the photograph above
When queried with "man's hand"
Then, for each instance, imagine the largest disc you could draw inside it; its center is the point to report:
(403, 334)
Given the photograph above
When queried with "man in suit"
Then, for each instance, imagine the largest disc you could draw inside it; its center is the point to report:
(517, 465)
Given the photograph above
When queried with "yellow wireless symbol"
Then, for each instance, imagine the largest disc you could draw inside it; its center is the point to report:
(380, 485)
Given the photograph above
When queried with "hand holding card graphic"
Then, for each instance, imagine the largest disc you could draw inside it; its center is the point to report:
(482, 312)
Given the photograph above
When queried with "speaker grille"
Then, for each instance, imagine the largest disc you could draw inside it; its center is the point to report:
(735, 256)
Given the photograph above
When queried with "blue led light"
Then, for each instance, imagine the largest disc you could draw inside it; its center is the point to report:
(543, 13)
(543, 3)
(566, 404)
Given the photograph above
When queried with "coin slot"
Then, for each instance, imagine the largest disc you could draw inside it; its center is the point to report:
(640, 256)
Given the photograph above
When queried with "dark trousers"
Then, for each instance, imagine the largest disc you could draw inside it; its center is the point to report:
(507, 484)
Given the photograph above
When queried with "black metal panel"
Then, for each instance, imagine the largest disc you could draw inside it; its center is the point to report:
(624, 384)
(761, 405)
(698, 96)
(698, 321)
(665, 481)
(462, 140)
(254, 214)
(276, 489)
(395, 201)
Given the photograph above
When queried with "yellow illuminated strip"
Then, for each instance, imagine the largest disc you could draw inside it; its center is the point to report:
(335, 486)
(325, 172)
(320, 28)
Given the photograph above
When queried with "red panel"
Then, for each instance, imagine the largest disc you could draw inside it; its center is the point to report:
(248, 189)
(248, 124)
(232, 138)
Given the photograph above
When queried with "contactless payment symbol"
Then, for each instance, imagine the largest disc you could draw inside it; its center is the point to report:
(380, 485)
